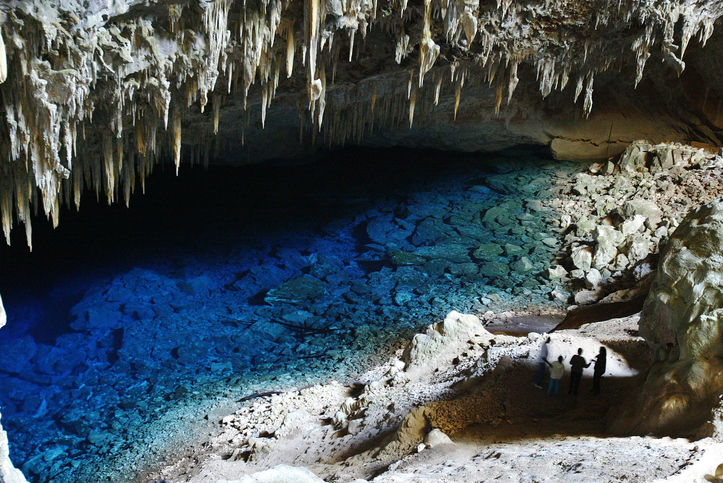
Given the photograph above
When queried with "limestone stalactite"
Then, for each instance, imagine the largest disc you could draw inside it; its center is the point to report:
(81, 74)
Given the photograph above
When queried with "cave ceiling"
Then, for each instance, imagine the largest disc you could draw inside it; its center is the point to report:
(95, 93)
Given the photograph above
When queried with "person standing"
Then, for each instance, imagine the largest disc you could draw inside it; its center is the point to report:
(599, 370)
(557, 369)
(541, 361)
(577, 364)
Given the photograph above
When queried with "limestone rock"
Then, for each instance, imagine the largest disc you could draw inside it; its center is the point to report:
(488, 252)
(279, 474)
(494, 269)
(688, 287)
(8, 473)
(646, 208)
(523, 266)
(436, 437)
(296, 290)
(632, 225)
(3, 315)
(15, 354)
(455, 325)
(582, 258)
(556, 272)
(452, 252)
(402, 258)
(608, 239)
(593, 278)
(683, 318)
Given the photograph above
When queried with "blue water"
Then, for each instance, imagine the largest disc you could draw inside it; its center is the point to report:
(226, 281)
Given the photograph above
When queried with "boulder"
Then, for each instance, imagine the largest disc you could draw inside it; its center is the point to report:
(582, 258)
(523, 266)
(296, 291)
(632, 225)
(402, 258)
(512, 250)
(682, 320)
(430, 230)
(635, 157)
(488, 252)
(593, 278)
(425, 346)
(451, 252)
(556, 272)
(15, 354)
(494, 269)
(608, 239)
(437, 437)
(647, 208)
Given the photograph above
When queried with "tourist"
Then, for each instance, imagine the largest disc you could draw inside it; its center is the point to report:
(577, 364)
(541, 360)
(599, 370)
(557, 369)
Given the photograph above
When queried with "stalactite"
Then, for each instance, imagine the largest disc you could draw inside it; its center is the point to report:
(437, 89)
(290, 49)
(3, 58)
(142, 68)
(587, 105)
(412, 105)
(216, 112)
(513, 81)
(109, 166)
(176, 128)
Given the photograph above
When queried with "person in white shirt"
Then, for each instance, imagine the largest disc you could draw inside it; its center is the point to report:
(557, 369)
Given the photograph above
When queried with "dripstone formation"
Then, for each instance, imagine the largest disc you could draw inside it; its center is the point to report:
(132, 82)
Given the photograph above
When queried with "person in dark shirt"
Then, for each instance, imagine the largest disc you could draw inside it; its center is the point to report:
(599, 370)
(577, 364)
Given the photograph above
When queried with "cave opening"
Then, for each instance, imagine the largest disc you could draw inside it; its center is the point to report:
(223, 282)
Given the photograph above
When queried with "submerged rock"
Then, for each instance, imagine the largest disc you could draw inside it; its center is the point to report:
(296, 291)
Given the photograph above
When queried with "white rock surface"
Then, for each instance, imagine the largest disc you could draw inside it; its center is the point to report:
(8, 473)
(279, 474)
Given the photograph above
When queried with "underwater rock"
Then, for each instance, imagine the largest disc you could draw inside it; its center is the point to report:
(296, 291)
(489, 252)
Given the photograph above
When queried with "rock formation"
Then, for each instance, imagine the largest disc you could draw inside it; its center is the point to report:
(8, 473)
(682, 321)
(131, 83)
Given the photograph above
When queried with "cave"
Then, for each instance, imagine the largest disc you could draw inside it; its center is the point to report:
(285, 240)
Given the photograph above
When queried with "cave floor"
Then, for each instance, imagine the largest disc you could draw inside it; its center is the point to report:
(508, 430)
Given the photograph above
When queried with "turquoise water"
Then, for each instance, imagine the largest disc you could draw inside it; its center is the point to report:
(220, 283)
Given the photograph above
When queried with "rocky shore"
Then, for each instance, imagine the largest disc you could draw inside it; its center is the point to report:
(456, 405)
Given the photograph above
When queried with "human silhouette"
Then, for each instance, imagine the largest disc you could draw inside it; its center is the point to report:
(541, 360)
(577, 364)
(557, 369)
(599, 370)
